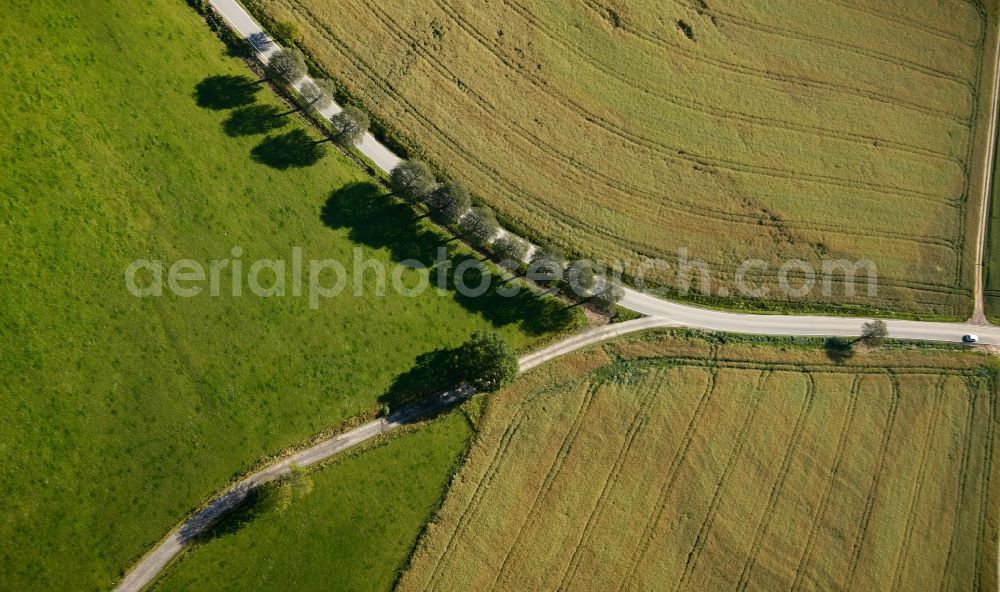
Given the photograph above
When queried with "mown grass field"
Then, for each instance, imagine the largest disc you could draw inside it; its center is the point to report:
(354, 530)
(626, 129)
(667, 463)
(119, 415)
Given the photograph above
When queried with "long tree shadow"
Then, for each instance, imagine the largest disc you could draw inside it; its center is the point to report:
(253, 119)
(294, 149)
(432, 373)
(838, 349)
(226, 91)
(381, 222)
(225, 514)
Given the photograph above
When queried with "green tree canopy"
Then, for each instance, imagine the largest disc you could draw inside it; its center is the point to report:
(286, 32)
(448, 202)
(873, 333)
(286, 66)
(609, 294)
(412, 180)
(349, 125)
(547, 265)
(581, 278)
(479, 225)
(486, 362)
(510, 249)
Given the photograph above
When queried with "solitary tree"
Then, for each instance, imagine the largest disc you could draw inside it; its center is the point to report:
(609, 293)
(411, 180)
(479, 225)
(547, 265)
(510, 250)
(349, 125)
(448, 202)
(486, 362)
(873, 333)
(285, 66)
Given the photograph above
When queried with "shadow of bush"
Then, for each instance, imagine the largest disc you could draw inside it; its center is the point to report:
(253, 119)
(226, 91)
(294, 149)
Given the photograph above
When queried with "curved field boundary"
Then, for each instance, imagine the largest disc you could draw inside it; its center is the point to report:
(515, 192)
(527, 136)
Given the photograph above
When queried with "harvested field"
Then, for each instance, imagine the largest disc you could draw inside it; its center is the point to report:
(655, 463)
(776, 131)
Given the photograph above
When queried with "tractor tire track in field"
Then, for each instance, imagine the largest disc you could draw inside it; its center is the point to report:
(984, 494)
(648, 533)
(827, 41)
(668, 153)
(656, 200)
(899, 19)
(555, 469)
(911, 514)
(671, 152)
(638, 425)
(890, 422)
(786, 462)
(514, 192)
(970, 122)
(708, 109)
(831, 478)
(731, 462)
(672, 46)
(484, 484)
(963, 478)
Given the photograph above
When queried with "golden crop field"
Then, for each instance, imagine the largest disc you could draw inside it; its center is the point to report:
(655, 463)
(623, 129)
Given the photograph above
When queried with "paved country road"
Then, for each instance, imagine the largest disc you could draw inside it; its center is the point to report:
(660, 313)
(691, 316)
(153, 563)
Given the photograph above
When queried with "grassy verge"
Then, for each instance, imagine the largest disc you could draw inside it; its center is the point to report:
(131, 135)
(353, 531)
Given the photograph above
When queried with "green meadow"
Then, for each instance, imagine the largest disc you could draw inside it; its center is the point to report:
(130, 131)
(353, 531)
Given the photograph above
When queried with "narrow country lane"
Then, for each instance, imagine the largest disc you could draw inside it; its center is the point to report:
(692, 316)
